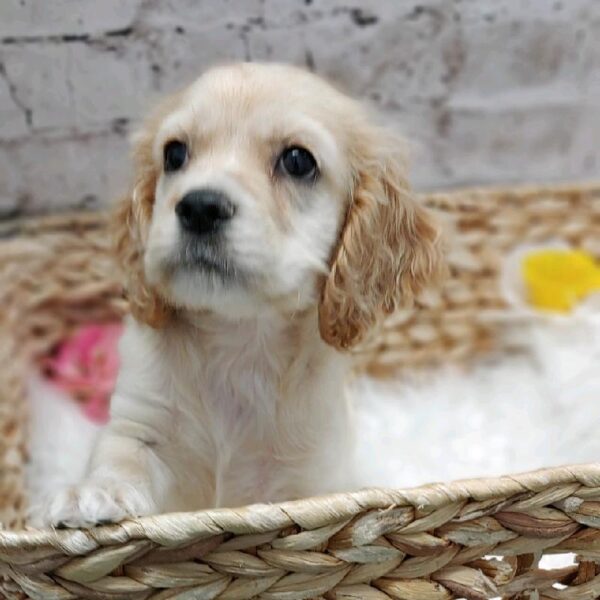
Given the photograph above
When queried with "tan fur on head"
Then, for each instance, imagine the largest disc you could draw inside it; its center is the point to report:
(130, 224)
(388, 249)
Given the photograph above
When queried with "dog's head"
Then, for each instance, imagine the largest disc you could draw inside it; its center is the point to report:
(261, 187)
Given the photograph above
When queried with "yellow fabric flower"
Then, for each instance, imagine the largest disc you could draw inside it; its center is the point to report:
(556, 280)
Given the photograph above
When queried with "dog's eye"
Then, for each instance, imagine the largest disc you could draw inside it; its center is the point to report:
(298, 162)
(175, 155)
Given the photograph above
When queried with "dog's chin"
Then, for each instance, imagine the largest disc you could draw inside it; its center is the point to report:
(211, 268)
(213, 284)
(204, 289)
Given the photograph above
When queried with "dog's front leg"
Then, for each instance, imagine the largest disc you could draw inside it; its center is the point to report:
(126, 477)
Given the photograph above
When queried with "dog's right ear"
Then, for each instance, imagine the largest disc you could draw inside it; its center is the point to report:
(130, 225)
(389, 248)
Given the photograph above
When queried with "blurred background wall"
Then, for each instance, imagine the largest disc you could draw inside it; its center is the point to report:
(487, 91)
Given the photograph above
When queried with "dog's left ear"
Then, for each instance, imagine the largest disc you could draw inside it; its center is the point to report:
(130, 225)
(387, 252)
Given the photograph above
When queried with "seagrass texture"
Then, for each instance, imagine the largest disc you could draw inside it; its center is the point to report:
(435, 542)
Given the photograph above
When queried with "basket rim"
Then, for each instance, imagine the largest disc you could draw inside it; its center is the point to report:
(173, 529)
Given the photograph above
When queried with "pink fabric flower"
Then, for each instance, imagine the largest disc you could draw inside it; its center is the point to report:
(86, 366)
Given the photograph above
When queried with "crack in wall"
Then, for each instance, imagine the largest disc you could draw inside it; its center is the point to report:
(50, 135)
(66, 38)
(12, 92)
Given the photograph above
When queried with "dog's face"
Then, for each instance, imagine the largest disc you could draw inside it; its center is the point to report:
(262, 187)
(250, 192)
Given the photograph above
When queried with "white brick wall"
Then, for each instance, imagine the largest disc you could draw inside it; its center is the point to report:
(487, 90)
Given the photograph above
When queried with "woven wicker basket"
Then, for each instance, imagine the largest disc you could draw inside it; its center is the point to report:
(471, 539)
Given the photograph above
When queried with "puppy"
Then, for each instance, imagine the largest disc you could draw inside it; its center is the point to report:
(268, 229)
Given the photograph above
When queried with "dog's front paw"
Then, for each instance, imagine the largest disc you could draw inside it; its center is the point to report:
(97, 502)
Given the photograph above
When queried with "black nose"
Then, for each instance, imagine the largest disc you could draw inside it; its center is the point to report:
(204, 211)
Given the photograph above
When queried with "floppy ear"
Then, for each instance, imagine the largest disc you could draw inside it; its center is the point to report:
(130, 225)
(387, 252)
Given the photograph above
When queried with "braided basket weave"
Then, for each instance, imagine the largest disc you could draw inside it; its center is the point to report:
(472, 539)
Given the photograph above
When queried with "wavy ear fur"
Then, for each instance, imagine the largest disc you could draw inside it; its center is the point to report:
(387, 252)
(130, 224)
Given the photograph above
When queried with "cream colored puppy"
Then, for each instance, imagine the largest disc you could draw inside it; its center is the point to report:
(268, 228)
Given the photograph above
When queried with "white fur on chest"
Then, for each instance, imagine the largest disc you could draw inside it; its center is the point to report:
(229, 384)
(248, 406)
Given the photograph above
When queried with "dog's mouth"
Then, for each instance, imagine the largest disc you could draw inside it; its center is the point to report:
(210, 258)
